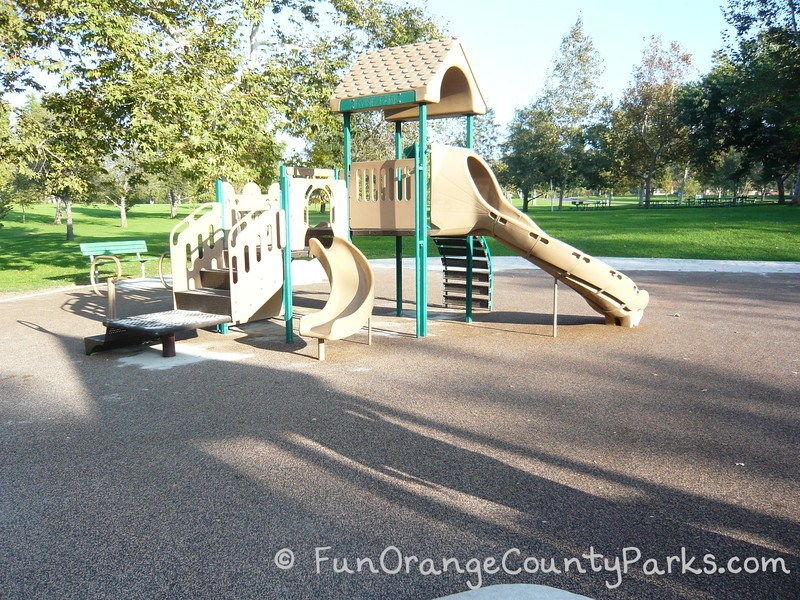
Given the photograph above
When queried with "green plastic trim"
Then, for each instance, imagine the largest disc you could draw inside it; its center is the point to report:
(488, 252)
(381, 101)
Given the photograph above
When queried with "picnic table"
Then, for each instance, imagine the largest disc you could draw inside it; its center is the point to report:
(587, 204)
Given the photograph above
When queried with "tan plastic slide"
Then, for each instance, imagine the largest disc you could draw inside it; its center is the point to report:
(467, 200)
(349, 306)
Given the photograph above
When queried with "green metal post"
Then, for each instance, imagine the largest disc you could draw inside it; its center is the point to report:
(470, 239)
(398, 241)
(220, 197)
(287, 257)
(348, 161)
(421, 237)
(348, 148)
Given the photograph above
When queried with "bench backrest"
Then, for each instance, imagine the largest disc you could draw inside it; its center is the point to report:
(113, 247)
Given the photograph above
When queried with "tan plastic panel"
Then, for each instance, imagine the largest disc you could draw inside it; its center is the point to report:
(382, 195)
(467, 200)
(252, 262)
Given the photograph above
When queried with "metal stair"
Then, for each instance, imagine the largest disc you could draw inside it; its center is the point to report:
(214, 295)
(453, 252)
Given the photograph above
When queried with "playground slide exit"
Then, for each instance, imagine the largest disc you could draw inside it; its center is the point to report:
(466, 199)
(352, 296)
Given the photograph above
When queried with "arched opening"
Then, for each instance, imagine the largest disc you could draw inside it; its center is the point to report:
(456, 93)
(484, 181)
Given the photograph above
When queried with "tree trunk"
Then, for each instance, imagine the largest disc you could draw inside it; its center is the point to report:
(22, 206)
(683, 183)
(68, 210)
(123, 212)
(561, 197)
(781, 190)
(796, 194)
(57, 218)
(526, 198)
(174, 200)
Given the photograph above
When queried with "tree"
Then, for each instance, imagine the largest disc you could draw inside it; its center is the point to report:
(190, 92)
(755, 85)
(6, 171)
(554, 149)
(307, 71)
(486, 134)
(650, 133)
(53, 149)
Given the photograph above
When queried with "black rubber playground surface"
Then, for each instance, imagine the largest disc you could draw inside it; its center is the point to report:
(244, 468)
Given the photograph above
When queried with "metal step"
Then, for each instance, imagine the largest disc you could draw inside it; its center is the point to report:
(460, 277)
(450, 262)
(215, 279)
(453, 252)
(213, 301)
(461, 302)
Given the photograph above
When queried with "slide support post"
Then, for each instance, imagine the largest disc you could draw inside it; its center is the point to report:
(555, 307)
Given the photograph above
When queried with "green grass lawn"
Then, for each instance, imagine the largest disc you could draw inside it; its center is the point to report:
(753, 232)
(35, 254)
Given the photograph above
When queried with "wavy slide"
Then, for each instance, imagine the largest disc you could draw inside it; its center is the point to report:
(467, 200)
(349, 306)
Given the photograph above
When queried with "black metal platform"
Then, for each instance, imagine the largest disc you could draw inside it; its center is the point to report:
(152, 327)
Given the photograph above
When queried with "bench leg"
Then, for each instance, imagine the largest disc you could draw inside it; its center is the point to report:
(168, 345)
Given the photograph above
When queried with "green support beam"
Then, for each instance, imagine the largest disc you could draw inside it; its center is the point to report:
(398, 251)
(470, 240)
(348, 148)
(287, 257)
(220, 197)
(421, 237)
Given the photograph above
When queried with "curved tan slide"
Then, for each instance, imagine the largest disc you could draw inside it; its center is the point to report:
(349, 306)
(467, 200)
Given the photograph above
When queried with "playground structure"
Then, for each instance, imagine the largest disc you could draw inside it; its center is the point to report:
(434, 79)
(233, 257)
(231, 260)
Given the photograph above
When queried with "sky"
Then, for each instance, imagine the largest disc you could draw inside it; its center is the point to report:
(511, 43)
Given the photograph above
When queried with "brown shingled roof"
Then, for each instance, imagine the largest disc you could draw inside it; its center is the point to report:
(437, 71)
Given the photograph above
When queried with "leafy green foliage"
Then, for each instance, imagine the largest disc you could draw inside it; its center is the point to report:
(649, 133)
(749, 101)
(547, 143)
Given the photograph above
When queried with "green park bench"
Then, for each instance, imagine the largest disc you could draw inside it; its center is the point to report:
(116, 252)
